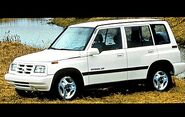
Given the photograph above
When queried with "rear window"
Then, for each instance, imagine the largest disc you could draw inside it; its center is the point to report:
(138, 36)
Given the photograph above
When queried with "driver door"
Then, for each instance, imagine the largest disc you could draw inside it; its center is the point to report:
(110, 64)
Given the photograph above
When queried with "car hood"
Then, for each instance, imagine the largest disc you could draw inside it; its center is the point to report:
(48, 56)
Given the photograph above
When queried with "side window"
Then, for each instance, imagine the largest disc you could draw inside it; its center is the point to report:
(160, 34)
(108, 39)
(138, 36)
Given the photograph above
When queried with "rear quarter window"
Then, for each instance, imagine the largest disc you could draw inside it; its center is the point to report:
(160, 34)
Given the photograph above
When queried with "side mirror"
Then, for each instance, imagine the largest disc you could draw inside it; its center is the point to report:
(93, 51)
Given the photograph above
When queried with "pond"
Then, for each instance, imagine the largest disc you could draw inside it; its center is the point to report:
(31, 31)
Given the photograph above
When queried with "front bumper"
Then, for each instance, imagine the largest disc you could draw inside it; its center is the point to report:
(30, 83)
(179, 68)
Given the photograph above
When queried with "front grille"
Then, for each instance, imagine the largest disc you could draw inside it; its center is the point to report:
(24, 69)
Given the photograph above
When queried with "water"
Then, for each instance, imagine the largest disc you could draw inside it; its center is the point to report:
(35, 32)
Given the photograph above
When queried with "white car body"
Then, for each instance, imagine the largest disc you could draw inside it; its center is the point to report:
(105, 67)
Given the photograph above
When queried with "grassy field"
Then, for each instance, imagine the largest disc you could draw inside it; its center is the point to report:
(114, 95)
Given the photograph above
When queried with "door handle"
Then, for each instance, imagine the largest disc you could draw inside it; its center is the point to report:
(151, 51)
(120, 54)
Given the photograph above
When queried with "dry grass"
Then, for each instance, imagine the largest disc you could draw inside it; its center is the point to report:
(73, 20)
(7, 19)
(9, 51)
(114, 95)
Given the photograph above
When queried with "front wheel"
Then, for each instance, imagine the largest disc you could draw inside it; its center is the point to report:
(160, 80)
(66, 88)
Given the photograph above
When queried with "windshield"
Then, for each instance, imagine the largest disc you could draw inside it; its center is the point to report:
(73, 38)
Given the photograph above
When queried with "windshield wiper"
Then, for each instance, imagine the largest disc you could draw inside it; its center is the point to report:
(54, 48)
(59, 48)
(64, 49)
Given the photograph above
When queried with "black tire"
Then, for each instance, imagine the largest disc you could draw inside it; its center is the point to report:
(160, 80)
(66, 87)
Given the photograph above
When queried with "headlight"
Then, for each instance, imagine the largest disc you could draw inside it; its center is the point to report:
(39, 69)
(13, 67)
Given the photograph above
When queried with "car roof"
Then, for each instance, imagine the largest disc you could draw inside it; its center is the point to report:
(106, 22)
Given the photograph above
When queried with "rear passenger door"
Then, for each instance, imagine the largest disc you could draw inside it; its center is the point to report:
(141, 51)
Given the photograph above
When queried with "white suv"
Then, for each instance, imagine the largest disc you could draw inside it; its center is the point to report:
(100, 52)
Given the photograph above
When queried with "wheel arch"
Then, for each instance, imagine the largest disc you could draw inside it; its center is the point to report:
(72, 71)
(161, 64)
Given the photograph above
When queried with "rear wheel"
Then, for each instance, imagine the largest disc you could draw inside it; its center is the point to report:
(160, 80)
